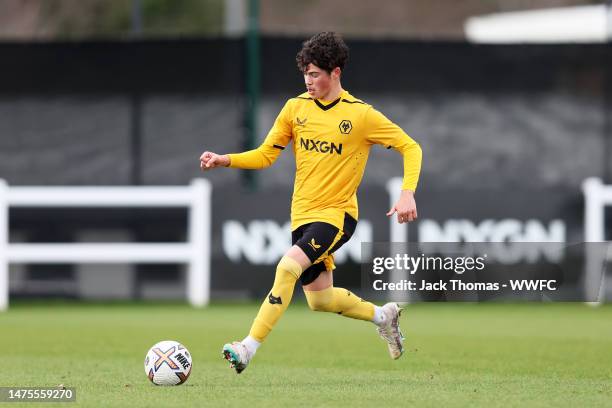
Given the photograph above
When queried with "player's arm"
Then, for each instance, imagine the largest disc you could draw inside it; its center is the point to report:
(384, 132)
(260, 158)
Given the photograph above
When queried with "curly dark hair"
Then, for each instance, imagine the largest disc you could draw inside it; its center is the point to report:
(326, 50)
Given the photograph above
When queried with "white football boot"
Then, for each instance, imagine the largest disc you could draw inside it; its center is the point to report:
(237, 354)
(390, 330)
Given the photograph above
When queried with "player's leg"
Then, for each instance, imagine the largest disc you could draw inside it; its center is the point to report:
(310, 243)
(321, 295)
(317, 282)
(288, 271)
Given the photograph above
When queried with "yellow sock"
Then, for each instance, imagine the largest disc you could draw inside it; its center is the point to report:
(287, 273)
(341, 301)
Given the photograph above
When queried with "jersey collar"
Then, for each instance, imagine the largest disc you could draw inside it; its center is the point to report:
(330, 105)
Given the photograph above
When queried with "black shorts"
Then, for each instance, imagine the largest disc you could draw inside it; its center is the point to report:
(318, 240)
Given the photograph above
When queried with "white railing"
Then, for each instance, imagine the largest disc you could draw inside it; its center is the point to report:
(195, 252)
(596, 197)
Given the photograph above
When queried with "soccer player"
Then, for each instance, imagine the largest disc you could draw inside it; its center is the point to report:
(332, 132)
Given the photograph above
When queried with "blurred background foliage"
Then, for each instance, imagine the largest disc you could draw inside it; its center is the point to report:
(73, 19)
(421, 19)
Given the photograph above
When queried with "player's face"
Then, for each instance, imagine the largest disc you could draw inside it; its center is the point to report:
(318, 81)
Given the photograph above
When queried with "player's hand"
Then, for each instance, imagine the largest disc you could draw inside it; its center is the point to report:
(405, 208)
(210, 160)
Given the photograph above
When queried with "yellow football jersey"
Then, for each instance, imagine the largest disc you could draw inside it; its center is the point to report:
(331, 143)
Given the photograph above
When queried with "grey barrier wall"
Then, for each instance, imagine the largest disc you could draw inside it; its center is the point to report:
(508, 133)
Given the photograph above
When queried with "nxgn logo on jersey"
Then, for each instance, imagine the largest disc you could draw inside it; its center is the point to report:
(321, 146)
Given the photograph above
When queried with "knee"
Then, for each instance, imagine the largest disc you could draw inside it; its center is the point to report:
(320, 300)
(288, 267)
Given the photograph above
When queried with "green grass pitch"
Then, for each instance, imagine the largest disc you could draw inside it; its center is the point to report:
(457, 355)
